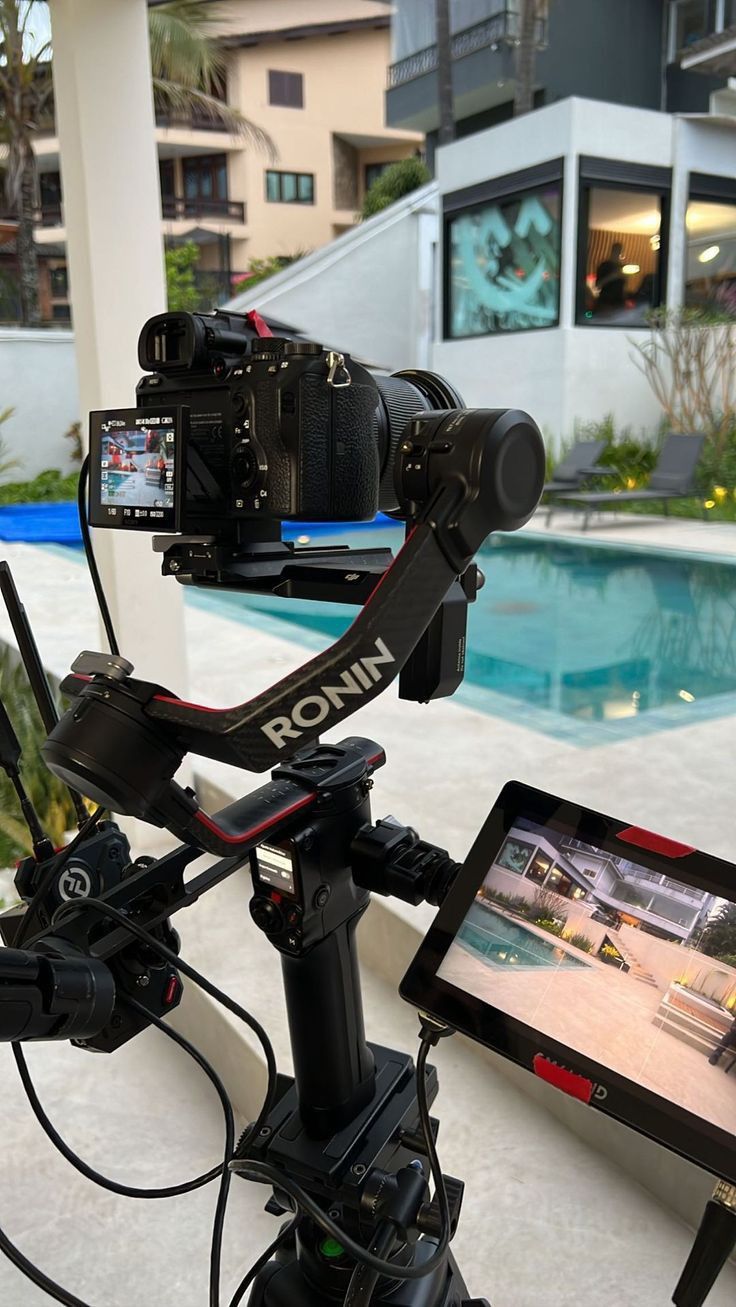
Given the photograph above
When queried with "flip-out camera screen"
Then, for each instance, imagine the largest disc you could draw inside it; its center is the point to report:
(134, 468)
(570, 947)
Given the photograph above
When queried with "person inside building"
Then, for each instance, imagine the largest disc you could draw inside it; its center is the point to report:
(727, 1043)
(610, 279)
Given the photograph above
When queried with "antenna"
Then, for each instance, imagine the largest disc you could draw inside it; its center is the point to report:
(34, 671)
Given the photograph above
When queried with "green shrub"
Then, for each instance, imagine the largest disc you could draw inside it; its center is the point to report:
(398, 180)
(546, 923)
(48, 487)
(182, 293)
(578, 940)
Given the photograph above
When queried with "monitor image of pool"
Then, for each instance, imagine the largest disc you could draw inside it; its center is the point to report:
(499, 942)
(585, 642)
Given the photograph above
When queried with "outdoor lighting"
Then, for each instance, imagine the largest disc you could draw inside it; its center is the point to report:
(630, 269)
(708, 254)
(687, 696)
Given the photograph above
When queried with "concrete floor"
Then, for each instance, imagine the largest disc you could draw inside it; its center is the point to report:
(549, 1218)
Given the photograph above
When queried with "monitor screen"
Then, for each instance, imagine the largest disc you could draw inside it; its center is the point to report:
(626, 965)
(134, 456)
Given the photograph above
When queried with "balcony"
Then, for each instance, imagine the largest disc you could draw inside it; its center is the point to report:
(501, 29)
(174, 207)
(46, 215)
(194, 119)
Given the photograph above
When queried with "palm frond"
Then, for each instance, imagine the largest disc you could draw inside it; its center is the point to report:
(181, 98)
(183, 46)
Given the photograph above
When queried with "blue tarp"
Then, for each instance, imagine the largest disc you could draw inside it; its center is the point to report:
(41, 523)
(58, 524)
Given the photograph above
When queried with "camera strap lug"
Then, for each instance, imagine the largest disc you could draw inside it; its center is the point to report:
(336, 366)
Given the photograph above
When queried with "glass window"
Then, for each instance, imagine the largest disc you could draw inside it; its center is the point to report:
(289, 187)
(710, 276)
(515, 855)
(504, 265)
(621, 277)
(693, 19)
(560, 882)
(59, 282)
(205, 177)
(286, 89)
(539, 867)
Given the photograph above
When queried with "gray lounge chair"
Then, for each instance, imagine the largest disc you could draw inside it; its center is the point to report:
(672, 478)
(580, 463)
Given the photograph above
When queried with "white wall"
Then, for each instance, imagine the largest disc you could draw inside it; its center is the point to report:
(560, 377)
(369, 292)
(38, 379)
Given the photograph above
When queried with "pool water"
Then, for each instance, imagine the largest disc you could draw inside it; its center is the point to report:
(498, 942)
(585, 642)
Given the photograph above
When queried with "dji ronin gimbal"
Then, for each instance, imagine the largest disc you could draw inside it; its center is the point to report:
(346, 1143)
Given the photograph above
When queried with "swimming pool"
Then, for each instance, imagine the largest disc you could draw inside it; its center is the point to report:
(488, 935)
(584, 642)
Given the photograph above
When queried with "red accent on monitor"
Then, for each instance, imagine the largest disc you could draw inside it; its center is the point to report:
(646, 839)
(569, 1082)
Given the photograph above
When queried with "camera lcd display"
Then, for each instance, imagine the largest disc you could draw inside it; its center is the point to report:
(571, 940)
(134, 466)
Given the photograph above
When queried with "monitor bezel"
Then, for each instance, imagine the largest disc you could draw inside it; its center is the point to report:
(670, 1125)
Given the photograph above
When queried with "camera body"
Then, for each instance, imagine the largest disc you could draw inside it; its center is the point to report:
(264, 428)
(285, 432)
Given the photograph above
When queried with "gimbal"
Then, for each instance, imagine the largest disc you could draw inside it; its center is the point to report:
(348, 1143)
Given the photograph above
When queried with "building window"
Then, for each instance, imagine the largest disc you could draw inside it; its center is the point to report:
(372, 172)
(515, 855)
(559, 881)
(289, 187)
(690, 21)
(503, 264)
(286, 89)
(205, 177)
(710, 271)
(538, 868)
(59, 282)
(49, 186)
(167, 177)
(621, 267)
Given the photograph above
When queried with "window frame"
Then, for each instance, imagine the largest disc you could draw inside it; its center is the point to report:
(197, 165)
(705, 188)
(471, 198)
(612, 174)
(286, 172)
(284, 103)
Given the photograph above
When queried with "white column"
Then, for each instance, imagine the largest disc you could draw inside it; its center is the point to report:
(104, 109)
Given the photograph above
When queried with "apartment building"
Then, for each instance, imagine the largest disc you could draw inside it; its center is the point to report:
(648, 54)
(312, 76)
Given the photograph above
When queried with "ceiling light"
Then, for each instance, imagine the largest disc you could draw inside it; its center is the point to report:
(687, 696)
(710, 252)
(630, 268)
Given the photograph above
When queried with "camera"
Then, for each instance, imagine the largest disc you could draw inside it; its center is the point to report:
(235, 426)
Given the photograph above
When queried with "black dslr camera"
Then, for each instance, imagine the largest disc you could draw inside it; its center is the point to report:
(234, 427)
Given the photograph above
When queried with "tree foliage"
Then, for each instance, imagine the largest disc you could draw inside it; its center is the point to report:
(182, 293)
(719, 937)
(399, 179)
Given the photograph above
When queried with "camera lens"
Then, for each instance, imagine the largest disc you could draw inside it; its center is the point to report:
(403, 395)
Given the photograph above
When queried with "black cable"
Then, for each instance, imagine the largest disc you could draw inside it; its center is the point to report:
(226, 1176)
(37, 1277)
(265, 1257)
(256, 1170)
(55, 865)
(363, 1280)
(106, 910)
(91, 560)
(126, 1191)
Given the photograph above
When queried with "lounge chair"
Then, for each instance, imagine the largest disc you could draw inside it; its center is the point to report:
(672, 478)
(580, 463)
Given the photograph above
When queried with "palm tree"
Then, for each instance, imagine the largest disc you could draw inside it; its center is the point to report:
(531, 18)
(25, 93)
(188, 67)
